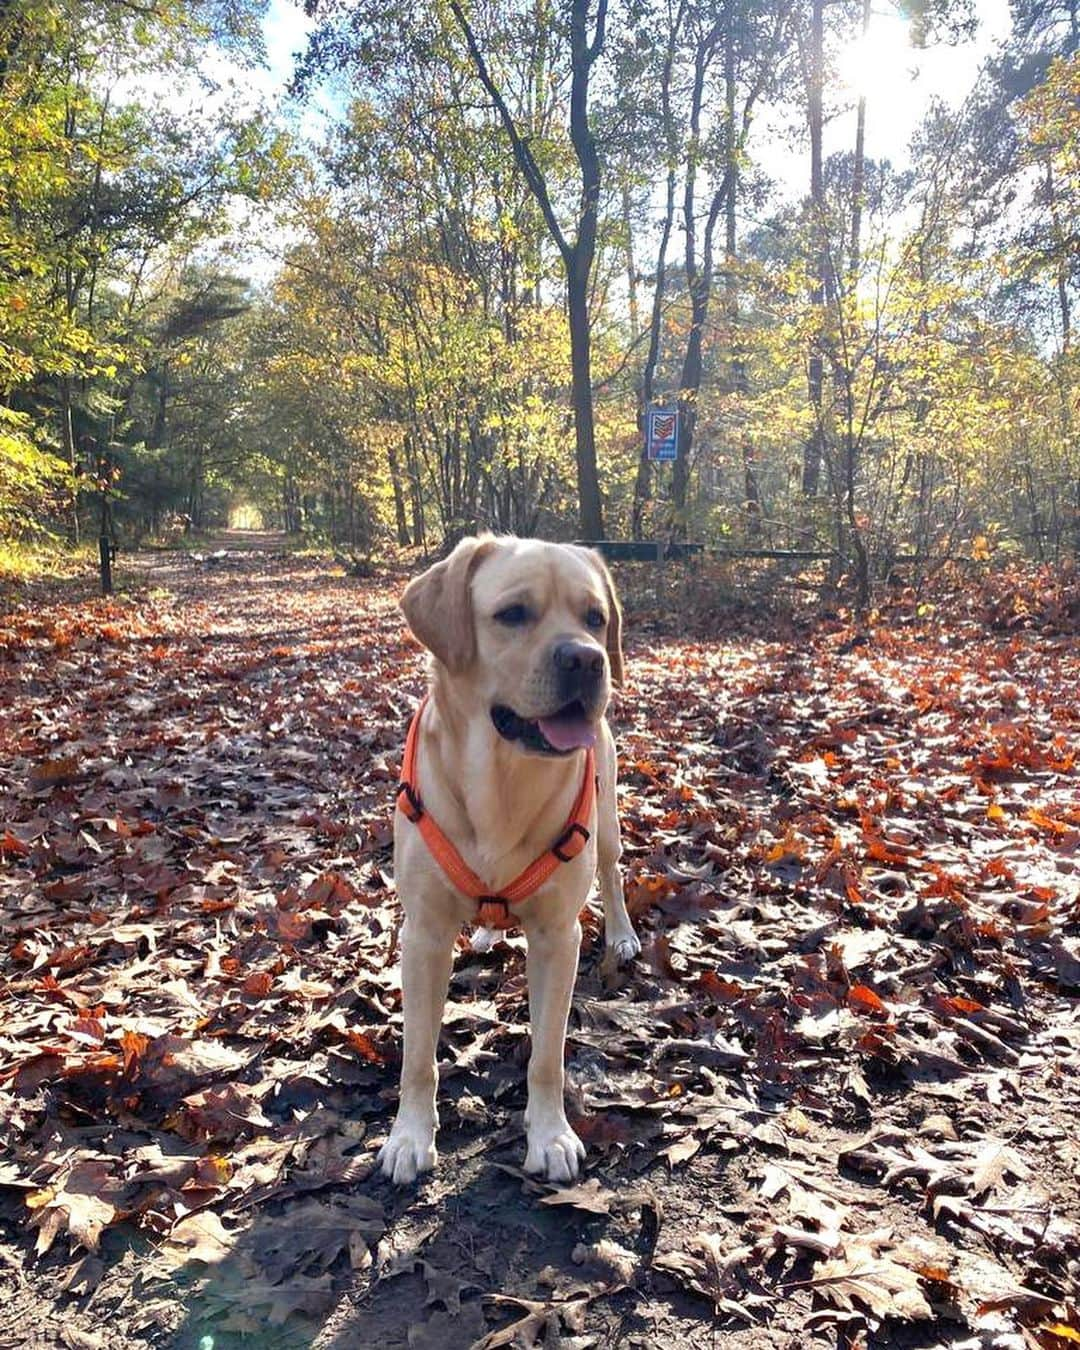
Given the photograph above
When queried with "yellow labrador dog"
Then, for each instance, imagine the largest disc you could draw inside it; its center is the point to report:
(525, 641)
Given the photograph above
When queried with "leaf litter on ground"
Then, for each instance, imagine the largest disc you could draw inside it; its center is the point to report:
(855, 873)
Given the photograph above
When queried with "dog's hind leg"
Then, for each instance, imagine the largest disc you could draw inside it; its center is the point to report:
(427, 950)
(622, 942)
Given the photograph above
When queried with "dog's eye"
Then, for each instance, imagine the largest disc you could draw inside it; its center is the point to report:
(513, 616)
(596, 618)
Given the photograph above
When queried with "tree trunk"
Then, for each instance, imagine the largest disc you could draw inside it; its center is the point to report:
(631, 269)
(577, 256)
(858, 171)
(416, 496)
(1061, 251)
(591, 515)
(643, 481)
(400, 519)
(699, 275)
(580, 260)
(689, 388)
(751, 490)
(67, 431)
(811, 475)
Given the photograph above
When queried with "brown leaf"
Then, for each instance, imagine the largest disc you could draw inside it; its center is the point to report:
(588, 1195)
(868, 1277)
(198, 1237)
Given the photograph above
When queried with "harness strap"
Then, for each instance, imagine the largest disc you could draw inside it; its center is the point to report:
(493, 911)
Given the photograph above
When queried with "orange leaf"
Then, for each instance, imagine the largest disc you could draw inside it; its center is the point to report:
(292, 927)
(863, 998)
(961, 1006)
(365, 1047)
(16, 847)
(1046, 822)
(133, 1044)
(880, 851)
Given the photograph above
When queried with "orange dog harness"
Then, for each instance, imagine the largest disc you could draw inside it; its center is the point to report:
(493, 911)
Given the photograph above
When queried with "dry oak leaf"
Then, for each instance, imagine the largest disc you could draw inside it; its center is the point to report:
(311, 1297)
(82, 1216)
(707, 1269)
(539, 1322)
(866, 1277)
(589, 1195)
(527, 1331)
(198, 1237)
(311, 1233)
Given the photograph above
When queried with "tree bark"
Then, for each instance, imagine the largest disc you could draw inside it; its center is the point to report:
(400, 518)
(577, 255)
(67, 432)
(579, 264)
(811, 475)
(858, 172)
(643, 481)
(631, 268)
(751, 490)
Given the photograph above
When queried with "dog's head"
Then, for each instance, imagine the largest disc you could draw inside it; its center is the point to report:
(529, 634)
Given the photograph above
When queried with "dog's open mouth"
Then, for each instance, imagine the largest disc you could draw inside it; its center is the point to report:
(568, 729)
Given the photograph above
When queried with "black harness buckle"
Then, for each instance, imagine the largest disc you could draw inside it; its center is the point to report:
(415, 807)
(571, 842)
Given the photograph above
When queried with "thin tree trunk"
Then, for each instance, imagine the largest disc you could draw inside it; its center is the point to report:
(751, 490)
(631, 269)
(643, 481)
(67, 432)
(1061, 250)
(400, 518)
(416, 497)
(811, 476)
(577, 256)
(858, 172)
(579, 264)
(699, 276)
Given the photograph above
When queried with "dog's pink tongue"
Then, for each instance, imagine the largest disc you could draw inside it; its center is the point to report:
(567, 733)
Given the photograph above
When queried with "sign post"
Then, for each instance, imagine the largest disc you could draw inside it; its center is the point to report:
(661, 447)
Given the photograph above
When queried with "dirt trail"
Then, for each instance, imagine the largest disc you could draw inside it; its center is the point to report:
(248, 541)
(836, 1097)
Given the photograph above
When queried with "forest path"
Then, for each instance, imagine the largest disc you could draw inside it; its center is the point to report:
(839, 1086)
(248, 541)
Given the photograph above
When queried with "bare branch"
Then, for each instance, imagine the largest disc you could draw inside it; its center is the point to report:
(526, 161)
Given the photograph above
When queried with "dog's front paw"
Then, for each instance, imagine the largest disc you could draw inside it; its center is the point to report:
(557, 1152)
(409, 1151)
(623, 946)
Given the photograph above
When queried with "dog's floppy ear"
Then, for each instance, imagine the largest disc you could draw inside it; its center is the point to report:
(614, 625)
(438, 605)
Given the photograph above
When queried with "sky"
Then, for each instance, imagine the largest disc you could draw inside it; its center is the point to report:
(285, 31)
(898, 80)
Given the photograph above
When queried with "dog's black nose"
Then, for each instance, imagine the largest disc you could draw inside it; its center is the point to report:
(578, 658)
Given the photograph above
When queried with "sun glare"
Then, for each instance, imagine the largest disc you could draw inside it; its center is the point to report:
(881, 63)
